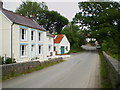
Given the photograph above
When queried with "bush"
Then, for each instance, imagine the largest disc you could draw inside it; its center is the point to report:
(8, 60)
(104, 45)
(110, 46)
(1, 60)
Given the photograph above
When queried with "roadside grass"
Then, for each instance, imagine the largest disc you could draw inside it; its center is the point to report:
(104, 73)
(40, 67)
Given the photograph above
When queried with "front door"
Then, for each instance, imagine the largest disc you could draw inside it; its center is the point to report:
(62, 49)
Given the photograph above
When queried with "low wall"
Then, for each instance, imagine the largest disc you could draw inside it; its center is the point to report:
(18, 68)
(114, 70)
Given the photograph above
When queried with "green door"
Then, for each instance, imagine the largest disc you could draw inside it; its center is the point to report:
(62, 49)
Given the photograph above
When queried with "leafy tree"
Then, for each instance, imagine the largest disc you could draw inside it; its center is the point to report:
(51, 20)
(55, 21)
(103, 21)
(75, 35)
(31, 9)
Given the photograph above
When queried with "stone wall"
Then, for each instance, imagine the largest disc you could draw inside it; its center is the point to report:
(18, 68)
(114, 70)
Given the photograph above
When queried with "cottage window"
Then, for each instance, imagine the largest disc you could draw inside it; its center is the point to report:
(23, 33)
(39, 36)
(32, 35)
(39, 49)
(23, 50)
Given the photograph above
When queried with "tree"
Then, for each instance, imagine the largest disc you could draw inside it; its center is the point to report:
(102, 19)
(55, 21)
(51, 20)
(75, 35)
(31, 9)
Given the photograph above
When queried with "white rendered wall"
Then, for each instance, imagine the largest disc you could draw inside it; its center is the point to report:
(29, 42)
(0, 34)
(50, 42)
(5, 41)
(64, 42)
(6, 36)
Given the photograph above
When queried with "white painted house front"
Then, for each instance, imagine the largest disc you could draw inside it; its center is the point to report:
(23, 38)
(50, 45)
(61, 44)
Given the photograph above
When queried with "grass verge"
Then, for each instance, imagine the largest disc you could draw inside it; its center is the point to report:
(104, 73)
(40, 67)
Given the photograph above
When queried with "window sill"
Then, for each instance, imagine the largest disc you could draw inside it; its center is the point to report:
(23, 40)
(23, 56)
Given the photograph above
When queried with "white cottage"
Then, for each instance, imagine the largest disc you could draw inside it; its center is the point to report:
(22, 38)
(61, 44)
(50, 45)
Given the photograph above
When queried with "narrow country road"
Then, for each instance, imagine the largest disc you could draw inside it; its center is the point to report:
(81, 70)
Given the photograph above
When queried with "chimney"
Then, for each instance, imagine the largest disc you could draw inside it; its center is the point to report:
(1, 4)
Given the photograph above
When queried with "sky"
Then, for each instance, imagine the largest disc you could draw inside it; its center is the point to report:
(67, 8)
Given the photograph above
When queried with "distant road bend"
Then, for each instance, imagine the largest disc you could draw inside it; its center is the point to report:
(81, 70)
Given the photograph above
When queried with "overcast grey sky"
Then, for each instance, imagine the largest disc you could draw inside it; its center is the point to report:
(67, 8)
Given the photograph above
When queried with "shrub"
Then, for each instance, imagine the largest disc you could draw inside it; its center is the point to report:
(104, 45)
(1, 60)
(8, 60)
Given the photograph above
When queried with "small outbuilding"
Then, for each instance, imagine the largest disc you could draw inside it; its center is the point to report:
(61, 44)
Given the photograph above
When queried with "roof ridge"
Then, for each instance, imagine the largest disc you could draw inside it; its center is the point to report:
(17, 14)
(16, 18)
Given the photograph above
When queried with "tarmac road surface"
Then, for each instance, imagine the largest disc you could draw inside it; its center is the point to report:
(81, 70)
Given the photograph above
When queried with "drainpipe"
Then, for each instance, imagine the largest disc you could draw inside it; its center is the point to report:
(12, 41)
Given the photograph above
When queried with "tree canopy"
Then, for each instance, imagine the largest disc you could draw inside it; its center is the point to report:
(51, 20)
(75, 36)
(102, 19)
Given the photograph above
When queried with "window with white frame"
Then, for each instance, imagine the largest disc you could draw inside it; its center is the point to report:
(39, 36)
(32, 35)
(23, 50)
(23, 34)
(39, 49)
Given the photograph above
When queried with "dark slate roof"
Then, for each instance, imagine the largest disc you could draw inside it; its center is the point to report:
(48, 34)
(22, 20)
